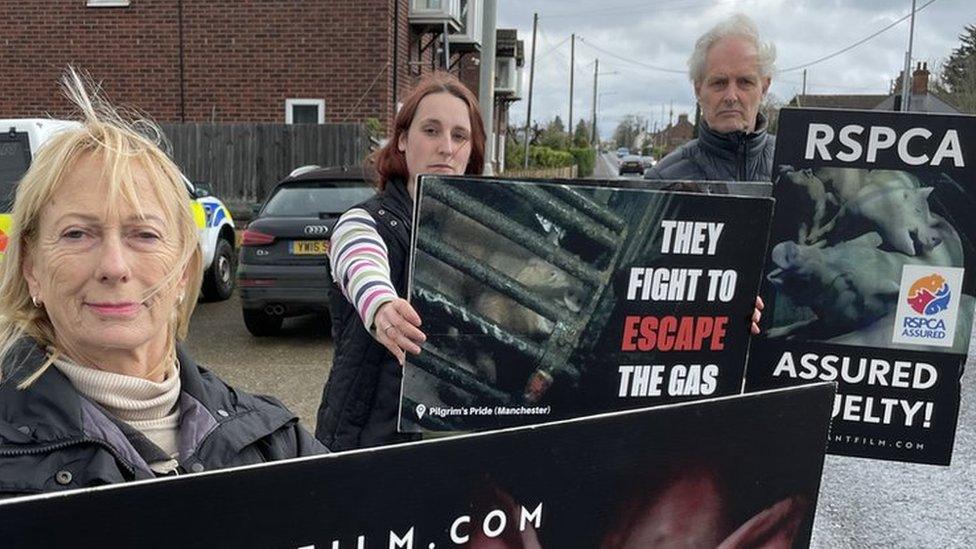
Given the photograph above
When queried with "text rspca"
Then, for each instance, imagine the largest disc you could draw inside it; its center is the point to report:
(880, 138)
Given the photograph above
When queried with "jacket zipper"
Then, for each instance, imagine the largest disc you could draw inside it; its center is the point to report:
(69, 443)
(740, 158)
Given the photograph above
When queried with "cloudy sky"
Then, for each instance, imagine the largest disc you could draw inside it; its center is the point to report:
(634, 41)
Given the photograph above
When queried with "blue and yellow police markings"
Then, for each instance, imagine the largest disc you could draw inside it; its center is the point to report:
(216, 213)
(199, 215)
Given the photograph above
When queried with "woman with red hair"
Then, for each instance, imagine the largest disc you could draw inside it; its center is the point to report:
(438, 130)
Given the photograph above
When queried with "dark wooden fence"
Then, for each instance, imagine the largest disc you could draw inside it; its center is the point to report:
(242, 162)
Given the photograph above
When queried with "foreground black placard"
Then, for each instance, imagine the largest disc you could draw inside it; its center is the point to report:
(546, 300)
(870, 274)
(743, 469)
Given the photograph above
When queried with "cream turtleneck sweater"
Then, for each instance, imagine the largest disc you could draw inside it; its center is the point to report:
(147, 406)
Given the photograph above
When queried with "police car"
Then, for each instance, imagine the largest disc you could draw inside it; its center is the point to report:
(20, 139)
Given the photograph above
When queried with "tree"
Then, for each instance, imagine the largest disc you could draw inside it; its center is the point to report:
(627, 130)
(581, 136)
(554, 136)
(958, 74)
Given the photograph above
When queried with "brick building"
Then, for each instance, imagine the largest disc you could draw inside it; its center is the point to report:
(673, 135)
(228, 61)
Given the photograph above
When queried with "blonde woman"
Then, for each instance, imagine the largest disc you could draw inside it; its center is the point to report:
(97, 288)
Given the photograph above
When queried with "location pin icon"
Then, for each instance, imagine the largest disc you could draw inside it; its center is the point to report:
(421, 410)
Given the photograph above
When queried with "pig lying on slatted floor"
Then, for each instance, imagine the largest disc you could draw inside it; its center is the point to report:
(892, 203)
(853, 284)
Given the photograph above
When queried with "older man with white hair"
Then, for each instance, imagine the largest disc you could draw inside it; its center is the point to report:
(731, 69)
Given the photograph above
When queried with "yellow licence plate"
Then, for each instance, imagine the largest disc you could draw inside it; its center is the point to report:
(310, 247)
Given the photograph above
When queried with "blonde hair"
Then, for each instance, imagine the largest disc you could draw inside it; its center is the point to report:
(121, 146)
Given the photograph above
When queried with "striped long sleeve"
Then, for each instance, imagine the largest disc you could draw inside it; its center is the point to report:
(360, 264)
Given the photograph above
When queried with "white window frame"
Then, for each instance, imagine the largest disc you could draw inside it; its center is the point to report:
(289, 103)
(108, 3)
(508, 67)
(475, 15)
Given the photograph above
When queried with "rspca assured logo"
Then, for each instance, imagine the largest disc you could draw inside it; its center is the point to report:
(929, 295)
(927, 310)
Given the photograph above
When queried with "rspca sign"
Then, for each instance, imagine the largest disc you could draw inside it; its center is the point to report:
(928, 304)
(869, 279)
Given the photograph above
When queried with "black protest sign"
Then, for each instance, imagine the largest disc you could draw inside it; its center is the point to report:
(869, 279)
(545, 300)
(740, 470)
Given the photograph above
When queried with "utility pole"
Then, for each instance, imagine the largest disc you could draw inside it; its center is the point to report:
(528, 110)
(804, 92)
(572, 69)
(486, 85)
(906, 87)
(596, 71)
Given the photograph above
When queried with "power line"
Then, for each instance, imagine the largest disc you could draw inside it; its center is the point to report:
(789, 69)
(365, 93)
(679, 5)
(552, 48)
(633, 61)
(855, 44)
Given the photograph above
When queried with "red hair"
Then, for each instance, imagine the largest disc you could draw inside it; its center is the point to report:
(392, 164)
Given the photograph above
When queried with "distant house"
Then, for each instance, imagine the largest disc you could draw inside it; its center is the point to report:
(921, 98)
(674, 135)
(859, 102)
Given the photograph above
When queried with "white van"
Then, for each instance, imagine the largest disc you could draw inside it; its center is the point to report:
(20, 138)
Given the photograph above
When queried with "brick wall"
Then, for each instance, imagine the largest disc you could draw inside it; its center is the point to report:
(134, 51)
(244, 58)
(241, 58)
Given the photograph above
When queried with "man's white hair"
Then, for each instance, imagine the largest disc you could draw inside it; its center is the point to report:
(740, 26)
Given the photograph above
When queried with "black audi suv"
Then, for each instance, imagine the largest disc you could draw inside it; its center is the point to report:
(283, 269)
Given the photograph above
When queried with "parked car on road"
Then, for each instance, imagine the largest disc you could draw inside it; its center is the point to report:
(631, 164)
(283, 269)
(622, 152)
(21, 138)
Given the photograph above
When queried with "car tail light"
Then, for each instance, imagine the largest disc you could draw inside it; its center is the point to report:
(256, 238)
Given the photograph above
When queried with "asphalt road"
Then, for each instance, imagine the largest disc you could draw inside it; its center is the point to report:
(291, 367)
(867, 503)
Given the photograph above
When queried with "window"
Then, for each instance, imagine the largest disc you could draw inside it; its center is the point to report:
(465, 4)
(108, 3)
(505, 78)
(305, 111)
(469, 32)
(333, 197)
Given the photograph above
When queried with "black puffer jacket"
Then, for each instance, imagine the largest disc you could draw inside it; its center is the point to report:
(361, 399)
(54, 438)
(713, 156)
